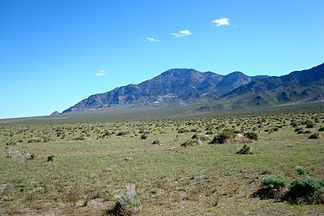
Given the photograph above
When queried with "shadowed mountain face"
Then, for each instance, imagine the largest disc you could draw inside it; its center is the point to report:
(182, 85)
(296, 87)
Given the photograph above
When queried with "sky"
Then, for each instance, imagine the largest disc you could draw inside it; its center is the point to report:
(54, 53)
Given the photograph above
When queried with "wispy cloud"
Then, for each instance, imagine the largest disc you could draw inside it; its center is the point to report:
(151, 40)
(221, 22)
(181, 33)
(100, 73)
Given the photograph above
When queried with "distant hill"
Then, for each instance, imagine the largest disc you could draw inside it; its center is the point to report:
(55, 113)
(184, 85)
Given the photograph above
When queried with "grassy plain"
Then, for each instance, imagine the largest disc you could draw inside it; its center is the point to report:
(94, 161)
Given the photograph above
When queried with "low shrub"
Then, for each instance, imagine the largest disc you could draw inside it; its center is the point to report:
(223, 136)
(274, 182)
(191, 142)
(182, 130)
(122, 133)
(245, 150)
(10, 151)
(315, 135)
(144, 136)
(156, 142)
(127, 204)
(251, 135)
(272, 188)
(50, 158)
(307, 189)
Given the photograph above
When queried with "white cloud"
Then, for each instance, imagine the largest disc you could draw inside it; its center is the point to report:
(100, 73)
(221, 22)
(181, 33)
(151, 40)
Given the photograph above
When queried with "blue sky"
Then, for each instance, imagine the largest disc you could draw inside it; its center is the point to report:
(54, 53)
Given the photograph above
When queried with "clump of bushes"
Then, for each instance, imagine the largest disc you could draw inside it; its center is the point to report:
(11, 142)
(106, 134)
(81, 137)
(225, 135)
(251, 135)
(35, 140)
(272, 187)
(306, 189)
(230, 135)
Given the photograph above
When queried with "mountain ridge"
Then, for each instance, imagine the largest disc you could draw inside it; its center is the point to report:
(297, 86)
(182, 84)
(173, 84)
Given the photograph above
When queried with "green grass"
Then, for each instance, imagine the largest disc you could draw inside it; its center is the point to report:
(170, 179)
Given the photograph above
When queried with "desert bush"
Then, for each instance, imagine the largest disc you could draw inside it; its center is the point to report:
(195, 136)
(300, 171)
(46, 139)
(35, 140)
(294, 123)
(191, 142)
(251, 135)
(315, 135)
(32, 156)
(321, 129)
(307, 189)
(223, 136)
(105, 134)
(11, 142)
(272, 187)
(122, 133)
(245, 150)
(274, 182)
(309, 123)
(81, 137)
(209, 132)
(182, 130)
(50, 158)
(144, 136)
(298, 129)
(156, 142)
(127, 204)
(275, 129)
(10, 151)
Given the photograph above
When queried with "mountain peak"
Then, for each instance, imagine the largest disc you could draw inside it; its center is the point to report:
(177, 84)
(179, 71)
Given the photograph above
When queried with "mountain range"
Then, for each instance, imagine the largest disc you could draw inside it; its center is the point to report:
(236, 89)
